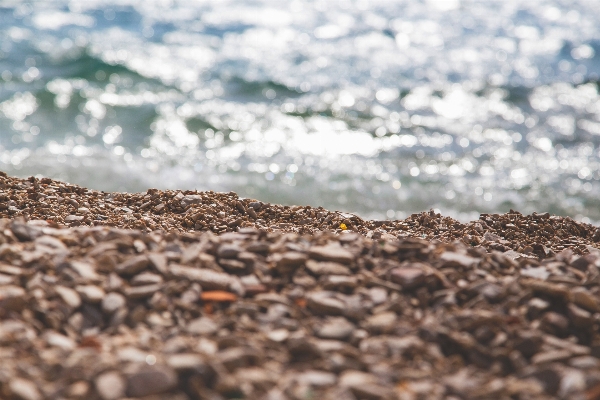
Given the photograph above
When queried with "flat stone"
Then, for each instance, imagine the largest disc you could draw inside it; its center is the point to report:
(110, 385)
(140, 292)
(85, 270)
(339, 282)
(207, 278)
(133, 265)
(321, 303)
(408, 277)
(383, 322)
(316, 378)
(55, 339)
(180, 362)
(550, 289)
(452, 259)
(12, 297)
(292, 259)
(327, 268)
(24, 389)
(202, 326)
(228, 251)
(278, 335)
(335, 328)
(69, 296)
(146, 278)
(550, 356)
(237, 357)
(151, 381)
(331, 253)
(112, 302)
(580, 317)
(584, 299)
(90, 293)
(73, 218)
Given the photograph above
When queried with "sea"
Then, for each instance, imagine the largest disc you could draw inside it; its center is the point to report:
(381, 108)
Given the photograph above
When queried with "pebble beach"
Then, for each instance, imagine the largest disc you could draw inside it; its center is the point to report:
(206, 295)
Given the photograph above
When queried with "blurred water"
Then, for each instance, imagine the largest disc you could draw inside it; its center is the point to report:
(378, 107)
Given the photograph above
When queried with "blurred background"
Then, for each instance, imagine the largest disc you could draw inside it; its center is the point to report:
(378, 107)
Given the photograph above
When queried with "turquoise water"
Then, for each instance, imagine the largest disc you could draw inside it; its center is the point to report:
(383, 108)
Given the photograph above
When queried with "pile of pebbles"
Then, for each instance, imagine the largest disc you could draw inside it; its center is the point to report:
(539, 235)
(373, 311)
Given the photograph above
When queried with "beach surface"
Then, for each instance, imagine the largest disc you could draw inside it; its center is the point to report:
(205, 295)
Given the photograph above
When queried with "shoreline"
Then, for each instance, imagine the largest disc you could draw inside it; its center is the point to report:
(63, 204)
(282, 303)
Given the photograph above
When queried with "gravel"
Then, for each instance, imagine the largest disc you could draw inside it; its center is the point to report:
(203, 295)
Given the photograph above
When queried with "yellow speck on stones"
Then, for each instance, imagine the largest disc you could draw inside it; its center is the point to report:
(343, 226)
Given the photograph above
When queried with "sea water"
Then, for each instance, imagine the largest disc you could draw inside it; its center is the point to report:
(378, 107)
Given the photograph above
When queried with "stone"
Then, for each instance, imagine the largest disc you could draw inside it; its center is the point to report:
(278, 335)
(112, 302)
(316, 378)
(228, 251)
(584, 299)
(140, 292)
(337, 328)
(146, 278)
(24, 389)
(381, 323)
(326, 268)
(182, 362)
(580, 317)
(323, 304)
(85, 270)
(69, 296)
(452, 259)
(55, 339)
(78, 390)
(190, 199)
(202, 326)
(338, 282)
(408, 277)
(237, 357)
(110, 385)
(554, 323)
(90, 293)
(550, 356)
(331, 253)
(133, 265)
(12, 298)
(292, 259)
(207, 278)
(151, 381)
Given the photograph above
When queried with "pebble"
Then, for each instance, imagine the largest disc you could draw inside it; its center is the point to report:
(337, 328)
(331, 253)
(322, 303)
(408, 278)
(133, 265)
(381, 323)
(110, 385)
(140, 292)
(202, 326)
(69, 296)
(151, 381)
(90, 293)
(24, 389)
(112, 302)
(326, 268)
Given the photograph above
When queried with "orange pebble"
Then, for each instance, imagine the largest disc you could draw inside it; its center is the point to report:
(218, 296)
